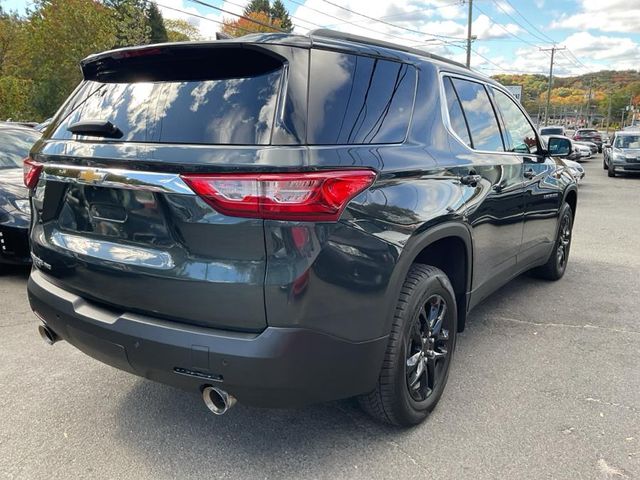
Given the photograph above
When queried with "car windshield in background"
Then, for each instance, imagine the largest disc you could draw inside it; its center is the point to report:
(15, 144)
(551, 131)
(627, 141)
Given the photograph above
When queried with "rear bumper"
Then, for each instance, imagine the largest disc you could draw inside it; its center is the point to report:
(280, 367)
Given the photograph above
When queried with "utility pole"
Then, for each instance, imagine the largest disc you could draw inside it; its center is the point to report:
(469, 18)
(589, 104)
(553, 52)
(609, 112)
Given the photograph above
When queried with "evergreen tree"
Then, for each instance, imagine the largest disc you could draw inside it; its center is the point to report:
(157, 30)
(279, 12)
(256, 6)
(131, 22)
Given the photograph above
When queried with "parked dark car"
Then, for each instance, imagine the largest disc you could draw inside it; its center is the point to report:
(589, 135)
(553, 130)
(623, 156)
(15, 143)
(285, 220)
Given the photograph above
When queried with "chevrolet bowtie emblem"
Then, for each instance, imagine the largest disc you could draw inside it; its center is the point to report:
(92, 176)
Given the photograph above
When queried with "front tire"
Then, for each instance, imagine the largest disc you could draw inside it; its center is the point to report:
(557, 264)
(611, 171)
(418, 357)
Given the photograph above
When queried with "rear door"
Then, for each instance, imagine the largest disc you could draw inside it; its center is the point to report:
(495, 204)
(114, 220)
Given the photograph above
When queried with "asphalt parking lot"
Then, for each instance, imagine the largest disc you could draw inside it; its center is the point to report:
(545, 384)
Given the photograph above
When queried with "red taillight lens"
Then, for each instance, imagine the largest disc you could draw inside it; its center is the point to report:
(314, 196)
(31, 171)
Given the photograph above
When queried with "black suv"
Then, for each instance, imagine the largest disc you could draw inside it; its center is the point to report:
(285, 220)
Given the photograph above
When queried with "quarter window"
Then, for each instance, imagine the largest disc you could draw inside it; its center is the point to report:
(355, 99)
(481, 118)
(458, 122)
(519, 134)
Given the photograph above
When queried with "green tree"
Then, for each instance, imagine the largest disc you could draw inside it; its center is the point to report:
(132, 26)
(157, 30)
(181, 31)
(279, 12)
(256, 6)
(60, 34)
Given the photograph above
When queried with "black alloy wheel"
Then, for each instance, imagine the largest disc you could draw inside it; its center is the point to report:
(557, 263)
(564, 242)
(428, 348)
(422, 340)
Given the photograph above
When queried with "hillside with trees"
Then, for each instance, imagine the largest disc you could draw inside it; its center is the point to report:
(571, 94)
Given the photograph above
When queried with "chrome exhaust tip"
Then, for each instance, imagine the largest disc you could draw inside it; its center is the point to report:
(217, 400)
(48, 335)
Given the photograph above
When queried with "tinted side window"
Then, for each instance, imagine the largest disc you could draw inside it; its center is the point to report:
(355, 99)
(485, 133)
(458, 122)
(519, 134)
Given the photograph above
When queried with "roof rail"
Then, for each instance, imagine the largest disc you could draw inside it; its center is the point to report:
(333, 34)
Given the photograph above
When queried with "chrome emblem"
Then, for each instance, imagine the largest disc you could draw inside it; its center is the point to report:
(92, 176)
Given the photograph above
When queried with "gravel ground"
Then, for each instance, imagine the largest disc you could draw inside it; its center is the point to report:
(545, 384)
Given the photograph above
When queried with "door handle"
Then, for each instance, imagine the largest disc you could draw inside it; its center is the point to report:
(470, 179)
(529, 174)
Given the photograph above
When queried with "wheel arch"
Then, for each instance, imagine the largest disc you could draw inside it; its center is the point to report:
(571, 197)
(431, 247)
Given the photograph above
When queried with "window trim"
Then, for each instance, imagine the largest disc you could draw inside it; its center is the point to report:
(447, 121)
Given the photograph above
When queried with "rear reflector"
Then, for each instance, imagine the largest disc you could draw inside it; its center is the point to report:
(313, 196)
(31, 172)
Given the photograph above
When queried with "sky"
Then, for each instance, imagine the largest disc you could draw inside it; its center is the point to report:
(511, 35)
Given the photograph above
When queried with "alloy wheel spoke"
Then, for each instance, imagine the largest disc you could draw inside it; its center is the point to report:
(431, 372)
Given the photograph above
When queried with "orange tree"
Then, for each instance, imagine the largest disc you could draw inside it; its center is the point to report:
(255, 22)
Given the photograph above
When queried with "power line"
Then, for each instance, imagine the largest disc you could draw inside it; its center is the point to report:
(532, 25)
(292, 17)
(457, 3)
(506, 30)
(198, 16)
(519, 24)
(388, 23)
(404, 39)
(249, 19)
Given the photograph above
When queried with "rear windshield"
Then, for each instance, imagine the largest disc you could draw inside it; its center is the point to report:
(228, 106)
(551, 131)
(356, 99)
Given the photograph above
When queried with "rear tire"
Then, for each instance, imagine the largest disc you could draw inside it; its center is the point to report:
(420, 350)
(604, 163)
(557, 264)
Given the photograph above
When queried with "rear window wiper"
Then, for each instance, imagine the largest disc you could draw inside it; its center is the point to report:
(95, 128)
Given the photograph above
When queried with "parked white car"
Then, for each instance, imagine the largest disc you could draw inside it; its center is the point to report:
(575, 169)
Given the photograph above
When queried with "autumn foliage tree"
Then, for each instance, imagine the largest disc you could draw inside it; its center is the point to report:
(254, 22)
(261, 17)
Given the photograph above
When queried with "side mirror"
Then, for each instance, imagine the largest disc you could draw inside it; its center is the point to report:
(606, 145)
(559, 146)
